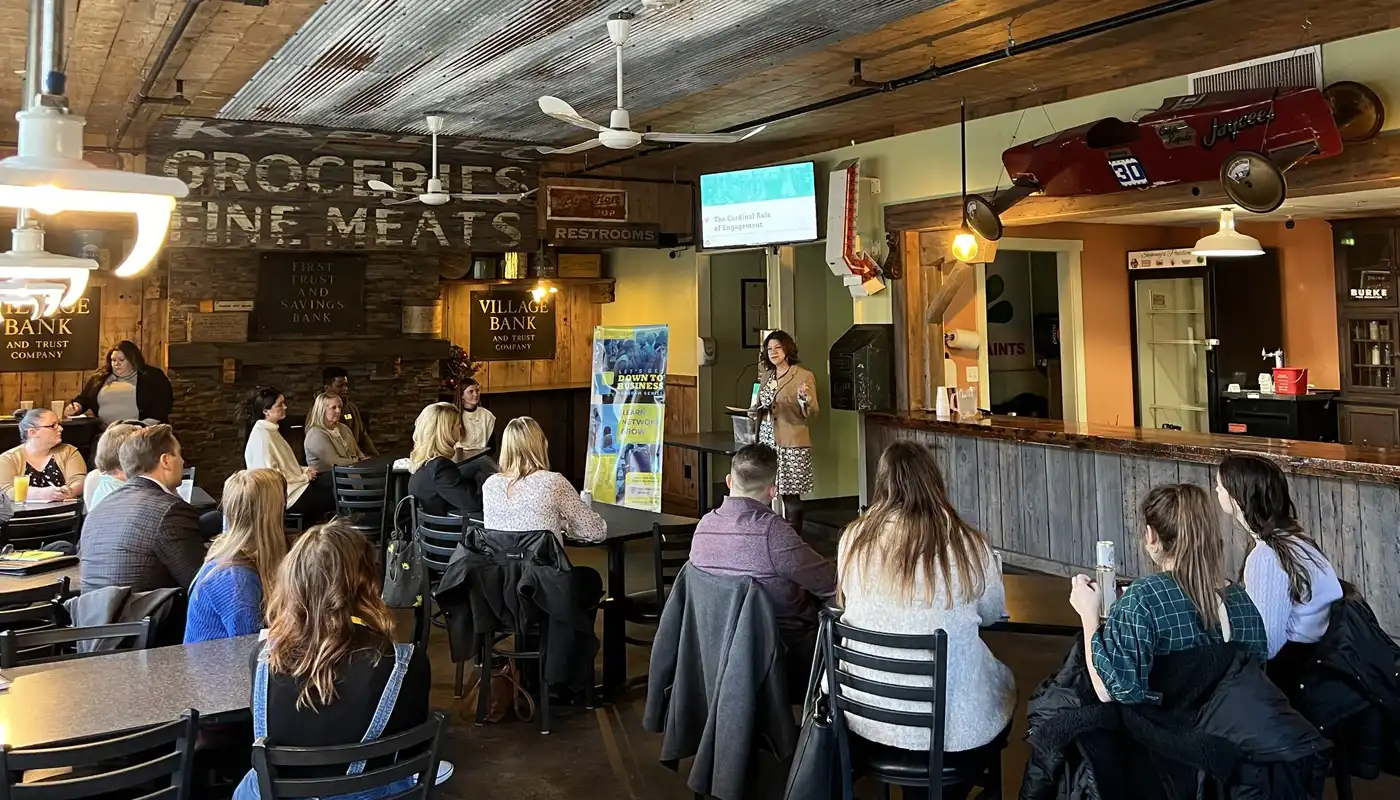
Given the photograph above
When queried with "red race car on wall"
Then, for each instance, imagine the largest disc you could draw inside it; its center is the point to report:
(1244, 139)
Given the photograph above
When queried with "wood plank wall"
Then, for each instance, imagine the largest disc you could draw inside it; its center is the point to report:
(131, 309)
(680, 469)
(1046, 506)
(572, 364)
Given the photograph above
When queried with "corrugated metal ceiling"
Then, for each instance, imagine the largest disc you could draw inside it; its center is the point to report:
(386, 64)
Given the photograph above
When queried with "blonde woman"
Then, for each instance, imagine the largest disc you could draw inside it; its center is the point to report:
(329, 442)
(439, 484)
(911, 565)
(526, 496)
(329, 671)
(107, 472)
(226, 596)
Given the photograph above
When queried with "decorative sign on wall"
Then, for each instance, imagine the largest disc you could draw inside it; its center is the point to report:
(585, 204)
(68, 340)
(510, 325)
(260, 185)
(310, 294)
(217, 326)
(578, 234)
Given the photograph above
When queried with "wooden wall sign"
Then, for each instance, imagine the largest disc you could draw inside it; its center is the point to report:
(585, 204)
(582, 234)
(423, 319)
(510, 325)
(258, 185)
(310, 294)
(217, 326)
(68, 340)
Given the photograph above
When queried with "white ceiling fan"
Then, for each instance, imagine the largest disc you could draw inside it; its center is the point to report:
(618, 135)
(435, 196)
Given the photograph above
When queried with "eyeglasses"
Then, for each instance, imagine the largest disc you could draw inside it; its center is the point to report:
(53, 425)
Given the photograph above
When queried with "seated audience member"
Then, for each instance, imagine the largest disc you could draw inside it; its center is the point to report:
(309, 491)
(106, 474)
(329, 441)
(478, 423)
(226, 596)
(744, 537)
(329, 671)
(1185, 606)
(912, 565)
(1290, 581)
(336, 381)
(439, 484)
(56, 471)
(146, 537)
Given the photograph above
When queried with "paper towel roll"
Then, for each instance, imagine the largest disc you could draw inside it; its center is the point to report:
(961, 339)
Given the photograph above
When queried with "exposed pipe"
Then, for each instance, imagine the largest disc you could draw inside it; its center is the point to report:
(51, 55)
(933, 73)
(658, 181)
(32, 62)
(143, 95)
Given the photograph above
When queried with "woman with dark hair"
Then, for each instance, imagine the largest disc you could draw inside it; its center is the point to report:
(1289, 579)
(126, 388)
(787, 401)
(310, 492)
(1189, 604)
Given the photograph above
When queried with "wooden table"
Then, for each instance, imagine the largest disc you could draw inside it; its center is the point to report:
(708, 445)
(1038, 604)
(52, 704)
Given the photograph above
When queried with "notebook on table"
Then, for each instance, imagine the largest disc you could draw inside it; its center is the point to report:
(32, 562)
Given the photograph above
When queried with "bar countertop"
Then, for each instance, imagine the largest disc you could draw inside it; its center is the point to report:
(1307, 458)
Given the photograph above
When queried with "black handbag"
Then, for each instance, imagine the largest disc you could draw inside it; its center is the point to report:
(405, 575)
(817, 771)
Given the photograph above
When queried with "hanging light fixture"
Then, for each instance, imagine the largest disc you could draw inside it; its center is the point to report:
(1227, 242)
(49, 175)
(965, 243)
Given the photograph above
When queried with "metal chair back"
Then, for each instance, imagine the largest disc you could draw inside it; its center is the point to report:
(411, 753)
(127, 765)
(362, 498)
(20, 648)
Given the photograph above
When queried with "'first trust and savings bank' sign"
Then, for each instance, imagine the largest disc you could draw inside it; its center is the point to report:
(280, 186)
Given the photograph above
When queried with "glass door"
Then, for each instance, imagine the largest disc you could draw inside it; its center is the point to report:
(1370, 357)
(1172, 374)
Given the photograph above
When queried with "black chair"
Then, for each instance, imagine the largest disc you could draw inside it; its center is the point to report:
(19, 648)
(362, 499)
(35, 608)
(411, 753)
(670, 550)
(32, 532)
(933, 770)
(120, 766)
(438, 538)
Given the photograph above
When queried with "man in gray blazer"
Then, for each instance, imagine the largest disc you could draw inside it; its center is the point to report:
(143, 536)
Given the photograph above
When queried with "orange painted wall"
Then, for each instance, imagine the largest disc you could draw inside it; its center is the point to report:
(1309, 312)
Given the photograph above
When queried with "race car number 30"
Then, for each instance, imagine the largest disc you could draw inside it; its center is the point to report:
(1128, 171)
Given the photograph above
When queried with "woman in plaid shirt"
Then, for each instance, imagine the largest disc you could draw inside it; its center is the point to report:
(1190, 603)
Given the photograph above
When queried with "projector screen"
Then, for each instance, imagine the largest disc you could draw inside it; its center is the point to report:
(755, 207)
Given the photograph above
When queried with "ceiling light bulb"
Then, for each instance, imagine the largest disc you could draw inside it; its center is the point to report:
(965, 246)
(1227, 242)
(537, 293)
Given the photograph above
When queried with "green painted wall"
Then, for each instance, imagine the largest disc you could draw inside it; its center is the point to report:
(823, 312)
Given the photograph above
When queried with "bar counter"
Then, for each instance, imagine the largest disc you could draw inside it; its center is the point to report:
(1044, 491)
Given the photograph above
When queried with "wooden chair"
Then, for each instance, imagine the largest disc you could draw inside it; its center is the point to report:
(119, 766)
(20, 648)
(413, 753)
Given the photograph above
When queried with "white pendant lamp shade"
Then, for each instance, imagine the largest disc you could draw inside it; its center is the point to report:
(1227, 242)
(50, 176)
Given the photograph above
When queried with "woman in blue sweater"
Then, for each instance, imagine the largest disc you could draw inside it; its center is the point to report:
(226, 596)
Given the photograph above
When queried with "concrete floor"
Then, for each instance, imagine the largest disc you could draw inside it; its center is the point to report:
(604, 753)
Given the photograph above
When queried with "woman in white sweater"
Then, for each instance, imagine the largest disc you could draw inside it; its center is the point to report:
(1289, 579)
(310, 493)
(911, 565)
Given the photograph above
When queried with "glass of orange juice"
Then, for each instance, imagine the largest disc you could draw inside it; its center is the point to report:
(21, 490)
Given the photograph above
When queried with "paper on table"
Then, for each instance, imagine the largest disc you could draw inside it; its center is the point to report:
(4, 683)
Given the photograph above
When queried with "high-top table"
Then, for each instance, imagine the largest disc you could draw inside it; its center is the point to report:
(54, 704)
(708, 445)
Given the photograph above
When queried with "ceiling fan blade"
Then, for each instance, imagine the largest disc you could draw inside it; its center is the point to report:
(400, 202)
(381, 186)
(564, 112)
(702, 138)
(564, 151)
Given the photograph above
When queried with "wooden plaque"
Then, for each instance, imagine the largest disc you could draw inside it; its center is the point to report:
(217, 326)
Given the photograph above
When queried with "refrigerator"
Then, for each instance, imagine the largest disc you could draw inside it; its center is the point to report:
(1198, 326)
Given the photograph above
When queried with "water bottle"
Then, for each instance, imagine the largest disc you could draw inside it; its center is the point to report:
(1105, 576)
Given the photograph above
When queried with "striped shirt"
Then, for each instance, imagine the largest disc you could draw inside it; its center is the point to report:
(1155, 617)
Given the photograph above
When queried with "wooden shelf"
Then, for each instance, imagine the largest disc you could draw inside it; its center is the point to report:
(303, 351)
(528, 282)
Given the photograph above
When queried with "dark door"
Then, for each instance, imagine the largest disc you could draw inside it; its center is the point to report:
(1370, 426)
(1247, 319)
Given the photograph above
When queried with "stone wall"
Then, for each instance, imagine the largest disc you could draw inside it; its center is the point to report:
(391, 374)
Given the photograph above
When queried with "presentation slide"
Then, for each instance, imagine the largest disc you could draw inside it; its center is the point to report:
(768, 205)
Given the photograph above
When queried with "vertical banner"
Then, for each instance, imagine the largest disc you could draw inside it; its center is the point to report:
(627, 419)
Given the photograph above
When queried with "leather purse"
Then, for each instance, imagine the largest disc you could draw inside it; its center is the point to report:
(405, 574)
(817, 771)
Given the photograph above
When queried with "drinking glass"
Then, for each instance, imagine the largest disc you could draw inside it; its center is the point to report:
(967, 402)
(21, 489)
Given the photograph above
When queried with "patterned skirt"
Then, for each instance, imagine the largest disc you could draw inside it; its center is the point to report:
(794, 463)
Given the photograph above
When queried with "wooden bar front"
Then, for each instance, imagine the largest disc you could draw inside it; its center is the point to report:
(1044, 492)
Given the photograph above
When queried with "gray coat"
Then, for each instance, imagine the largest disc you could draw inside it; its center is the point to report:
(717, 687)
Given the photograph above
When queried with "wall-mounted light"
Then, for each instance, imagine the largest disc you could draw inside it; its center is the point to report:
(541, 289)
(965, 246)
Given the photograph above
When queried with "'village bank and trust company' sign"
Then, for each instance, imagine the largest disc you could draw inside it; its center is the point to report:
(511, 325)
(68, 340)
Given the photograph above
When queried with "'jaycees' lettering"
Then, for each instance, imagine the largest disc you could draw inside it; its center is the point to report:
(1230, 128)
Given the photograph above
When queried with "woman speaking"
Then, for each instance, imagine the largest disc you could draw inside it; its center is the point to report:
(787, 401)
(126, 388)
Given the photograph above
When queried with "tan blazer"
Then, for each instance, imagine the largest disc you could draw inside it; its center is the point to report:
(70, 463)
(790, 416)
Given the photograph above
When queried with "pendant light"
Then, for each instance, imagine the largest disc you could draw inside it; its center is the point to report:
(1227, 242)
(964, 243)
